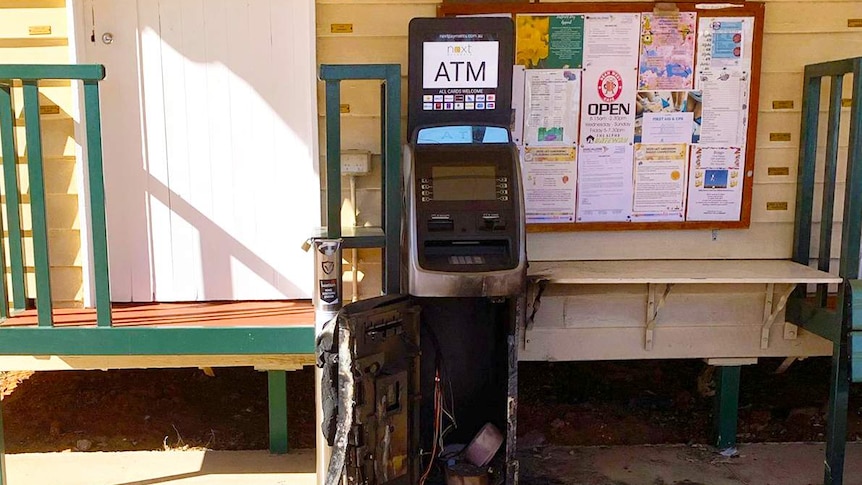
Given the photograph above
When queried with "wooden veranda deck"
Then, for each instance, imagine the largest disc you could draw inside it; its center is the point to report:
(194, 314)
(271, 335)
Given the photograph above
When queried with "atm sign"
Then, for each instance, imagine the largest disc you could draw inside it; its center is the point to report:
(460, 64)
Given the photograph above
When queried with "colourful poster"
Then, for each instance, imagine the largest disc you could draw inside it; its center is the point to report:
(667, 51)
(552, 103)
(550, 41)
(608, 109)
(715, 183)
(724, 43)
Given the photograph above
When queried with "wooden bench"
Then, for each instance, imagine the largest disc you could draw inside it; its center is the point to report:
(639, 309)
(724, 311)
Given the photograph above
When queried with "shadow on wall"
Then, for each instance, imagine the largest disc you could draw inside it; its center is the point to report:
(218, 247)
(229, 187)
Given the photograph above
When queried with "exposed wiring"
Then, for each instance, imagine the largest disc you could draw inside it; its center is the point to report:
(438, 407)
(442, 391)
(440, 365)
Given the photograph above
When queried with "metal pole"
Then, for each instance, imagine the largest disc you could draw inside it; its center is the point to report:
(328, 298)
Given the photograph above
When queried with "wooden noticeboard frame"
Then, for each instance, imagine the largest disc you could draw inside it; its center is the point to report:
(755, 10)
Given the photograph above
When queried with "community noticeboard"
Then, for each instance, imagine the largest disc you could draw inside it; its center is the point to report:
(634, 117)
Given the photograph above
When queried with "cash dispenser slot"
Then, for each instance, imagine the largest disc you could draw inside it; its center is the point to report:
(467, 255)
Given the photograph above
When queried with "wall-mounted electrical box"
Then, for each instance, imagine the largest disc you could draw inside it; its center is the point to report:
(355, 162)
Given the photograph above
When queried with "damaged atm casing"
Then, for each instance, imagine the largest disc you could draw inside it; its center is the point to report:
(443, 355)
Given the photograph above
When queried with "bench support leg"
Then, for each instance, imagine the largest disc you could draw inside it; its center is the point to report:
(277, 380)
(726, 406)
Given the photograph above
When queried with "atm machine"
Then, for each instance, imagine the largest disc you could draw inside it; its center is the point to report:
(423, 385)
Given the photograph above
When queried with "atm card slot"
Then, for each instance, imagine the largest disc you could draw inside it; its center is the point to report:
(441, 225)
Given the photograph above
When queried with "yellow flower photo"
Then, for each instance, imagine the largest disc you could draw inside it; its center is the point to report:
(531, 41)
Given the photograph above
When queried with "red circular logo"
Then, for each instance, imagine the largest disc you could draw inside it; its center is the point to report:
(610, 86)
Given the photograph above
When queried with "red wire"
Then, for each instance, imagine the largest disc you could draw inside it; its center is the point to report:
(438, 398)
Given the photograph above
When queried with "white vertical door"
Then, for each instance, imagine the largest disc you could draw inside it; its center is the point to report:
(209, 112)
(115, 46)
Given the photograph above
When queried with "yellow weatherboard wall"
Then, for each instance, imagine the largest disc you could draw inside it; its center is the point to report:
(35, 32)
(796, 33)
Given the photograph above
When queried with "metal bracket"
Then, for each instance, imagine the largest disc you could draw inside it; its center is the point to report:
(534, 300)
(653, 308)
(770, 313)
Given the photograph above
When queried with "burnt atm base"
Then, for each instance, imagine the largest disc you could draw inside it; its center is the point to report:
(474, 337)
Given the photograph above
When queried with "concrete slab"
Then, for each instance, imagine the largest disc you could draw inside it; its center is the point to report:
(162, 467)
(757, 464)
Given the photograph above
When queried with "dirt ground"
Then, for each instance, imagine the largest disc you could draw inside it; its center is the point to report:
(593, 403)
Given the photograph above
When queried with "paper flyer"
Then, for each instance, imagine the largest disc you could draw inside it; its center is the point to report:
(724, 118)
(724, 43)
(604, 183)
(552, 103)
(659, 182)
(715, 183)
(550, 180)
(667, 51)
(518, 86)
(549, 41)
(612, 39)
(608, 107)
(667, 116)
(667, 127)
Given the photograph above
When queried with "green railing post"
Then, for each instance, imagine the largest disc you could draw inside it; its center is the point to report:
(4, 294)
(829, 179)
(839, 393)
(392, 179)
(44, 305)
(333, 159)
(13, 209)
(852, 224)
(837, 326)
(390, 125)
(97, 203)
(805, 174)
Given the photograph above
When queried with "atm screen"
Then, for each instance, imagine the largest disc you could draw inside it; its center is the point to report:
(476, 182)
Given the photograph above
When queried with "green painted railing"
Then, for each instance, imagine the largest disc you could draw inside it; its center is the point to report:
(390, 142)
(837, 324)
(29, 76)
